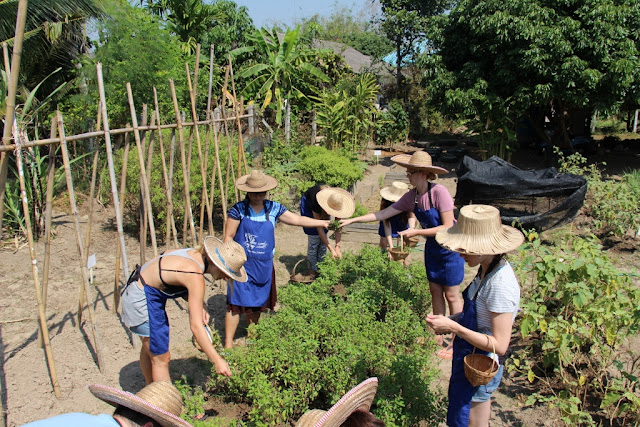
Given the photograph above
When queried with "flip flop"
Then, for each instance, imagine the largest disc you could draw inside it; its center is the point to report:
(445, 353)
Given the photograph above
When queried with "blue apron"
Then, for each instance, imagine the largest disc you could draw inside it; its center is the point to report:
(258, 240)
(396, 225)
(460, 389)
(443, 266)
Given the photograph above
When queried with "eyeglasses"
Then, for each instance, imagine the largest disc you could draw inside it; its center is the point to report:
(409, 173)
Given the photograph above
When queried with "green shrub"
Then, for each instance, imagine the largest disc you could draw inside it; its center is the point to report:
(393, 125)
(330, 167)
(361, 318)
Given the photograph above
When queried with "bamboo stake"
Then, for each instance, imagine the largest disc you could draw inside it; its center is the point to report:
(236, 110)
(216, 168)
(172, 155)
(146, 196)
(144, 223)
(34, 269)
(171, 223)
(7, 66)
(83, 265)
(112, 175)
(203, 172)
(10, 104)
(230, 168)
(186, 177)
(123, 188)
(210, 80)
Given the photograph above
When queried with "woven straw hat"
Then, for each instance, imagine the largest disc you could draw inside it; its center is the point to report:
(358, 398)
(336, 202)
(479, 231)
(159, 400)
(256, 182)
(418, 160)
(394, 192)
(229, 257)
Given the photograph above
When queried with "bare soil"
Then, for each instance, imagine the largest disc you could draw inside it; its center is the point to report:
(25, 379)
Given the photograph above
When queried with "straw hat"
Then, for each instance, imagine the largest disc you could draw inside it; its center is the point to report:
(394, 192)
(256, 182)
(479, 231)
(336, 202)
(159, 400)
(229, 257)
(358, 398)
(418, 160)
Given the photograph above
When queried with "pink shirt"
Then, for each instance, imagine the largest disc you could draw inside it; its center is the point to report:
(440, 197)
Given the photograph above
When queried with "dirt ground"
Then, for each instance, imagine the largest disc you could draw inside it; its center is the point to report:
(25, 380)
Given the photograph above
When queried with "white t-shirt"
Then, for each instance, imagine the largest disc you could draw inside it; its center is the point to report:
(499, 294)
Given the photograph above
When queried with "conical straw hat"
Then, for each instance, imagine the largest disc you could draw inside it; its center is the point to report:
(479, 231)
(395, 191)
(418, 160)
(358, 398)
(336, 202)
(159, 400)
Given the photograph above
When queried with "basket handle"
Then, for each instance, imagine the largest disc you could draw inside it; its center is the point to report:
(493, 347)
(298, 263)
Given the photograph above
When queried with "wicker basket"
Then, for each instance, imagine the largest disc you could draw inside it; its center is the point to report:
(479, 368)
(307, 276)
(412, 241)
(398, 254)
(207, 329)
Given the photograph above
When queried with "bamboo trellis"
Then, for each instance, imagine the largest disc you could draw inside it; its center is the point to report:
(211, 124)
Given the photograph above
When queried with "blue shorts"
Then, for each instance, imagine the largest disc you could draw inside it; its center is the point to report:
(141, 330)
(483, 394)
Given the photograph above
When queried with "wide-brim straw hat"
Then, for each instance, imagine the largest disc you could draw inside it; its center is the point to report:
(256, 182)
(479, 231)
(228, 257)
(395, 191)
(418, 160)
(358, 398)
(336, 202)
(159, 400)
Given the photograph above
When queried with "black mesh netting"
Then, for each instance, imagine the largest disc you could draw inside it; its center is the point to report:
(540, 199)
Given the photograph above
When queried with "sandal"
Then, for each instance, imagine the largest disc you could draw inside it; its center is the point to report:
(445, 353)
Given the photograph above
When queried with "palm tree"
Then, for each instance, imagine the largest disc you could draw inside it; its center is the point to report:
(285, 69)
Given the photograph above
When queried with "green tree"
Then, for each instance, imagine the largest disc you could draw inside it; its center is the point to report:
(500, 60)
(284, 70)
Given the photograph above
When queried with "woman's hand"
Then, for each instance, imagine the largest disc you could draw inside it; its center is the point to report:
(441, 324)
(338, 252)
(345, 222)
(222, 367)
(409, 232)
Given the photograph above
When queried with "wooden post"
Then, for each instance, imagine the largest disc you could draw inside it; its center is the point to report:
(187, 196)
(112, 175)
(635, 122)
(143, 174)
(10, 104)
(251, 124)
(287, 120)
(172, 156)
(144, 222)
(123, 188)
(210, 80)
(223, 189)
(83, 264)
(34, 269)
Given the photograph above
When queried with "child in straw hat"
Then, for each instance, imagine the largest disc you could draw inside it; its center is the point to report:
(491, 302)
(433, 207)
(158, 404)
(324, 202)
(389, 228)
(251, 223)
(174, 274)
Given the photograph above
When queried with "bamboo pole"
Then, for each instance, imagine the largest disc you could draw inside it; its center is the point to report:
(144, 223)
(5, 55)
(230, 169)
(123, 189)
(210, 80)
(83, 265)
(136, 135)
(172, 155)
(217, 168)
(171, 223)
(241, 157)
(10, 104)
(186, 177)
(112, 175)
(203, 172)
(34, 269)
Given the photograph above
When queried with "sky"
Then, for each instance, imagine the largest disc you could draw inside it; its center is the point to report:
(265, 13)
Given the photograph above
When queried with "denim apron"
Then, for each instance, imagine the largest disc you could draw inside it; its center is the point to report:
(258, 240)
(460, 389)
(443, 266)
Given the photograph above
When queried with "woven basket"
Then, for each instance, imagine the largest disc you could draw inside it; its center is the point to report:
(302, 277)
(412, 241)
(397, 254)
(207, 329)
(479, 368)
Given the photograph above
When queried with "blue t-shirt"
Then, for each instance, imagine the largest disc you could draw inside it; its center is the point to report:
(76, 419)
(239, 212)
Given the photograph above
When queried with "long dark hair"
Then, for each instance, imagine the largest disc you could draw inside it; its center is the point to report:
(384, 203)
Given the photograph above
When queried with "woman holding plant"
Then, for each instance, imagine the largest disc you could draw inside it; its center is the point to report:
(491, 302)
(433, 207)
(389, 228)
(251, 223)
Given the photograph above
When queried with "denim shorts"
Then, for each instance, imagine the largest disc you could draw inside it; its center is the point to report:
(143, 329)
(483, 394)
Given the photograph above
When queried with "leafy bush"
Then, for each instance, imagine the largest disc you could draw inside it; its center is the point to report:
(579, 309)
(361, 318)
(330, 167)
(393, 125)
